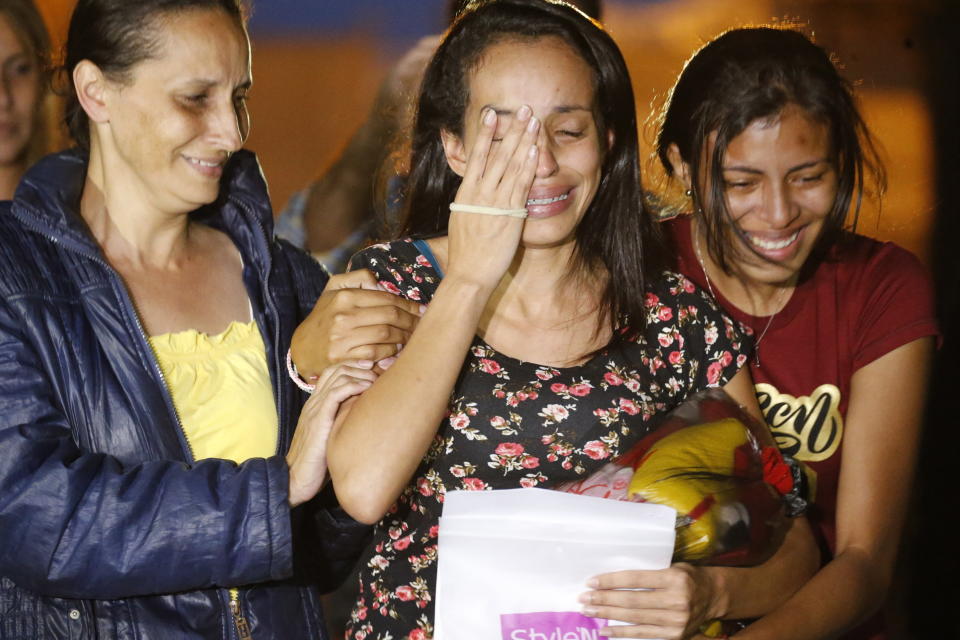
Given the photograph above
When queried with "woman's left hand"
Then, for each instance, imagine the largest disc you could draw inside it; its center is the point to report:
(667, 603)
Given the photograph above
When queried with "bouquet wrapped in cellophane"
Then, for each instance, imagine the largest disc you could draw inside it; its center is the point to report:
(720, 469)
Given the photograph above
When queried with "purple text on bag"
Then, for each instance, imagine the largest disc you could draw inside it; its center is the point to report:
(550, 625)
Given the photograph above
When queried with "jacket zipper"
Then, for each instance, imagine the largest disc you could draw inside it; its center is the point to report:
(131, 310)
(240, 623)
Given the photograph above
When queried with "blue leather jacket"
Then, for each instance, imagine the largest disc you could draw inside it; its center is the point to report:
(107, 527)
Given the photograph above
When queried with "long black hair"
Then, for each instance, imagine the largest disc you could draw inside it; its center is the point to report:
(753, 74)
(616, 234)
(116, 35)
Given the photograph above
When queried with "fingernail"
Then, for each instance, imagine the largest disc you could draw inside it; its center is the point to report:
(364, 364)
(489, 116)
(586, 598)
(399, 347)
(593, 583)
(590, 612)
(386, 363)
(524, 112)
(423, 309)
(533, 151)
(532, 125)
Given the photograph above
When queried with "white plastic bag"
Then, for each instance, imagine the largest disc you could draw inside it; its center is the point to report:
(511, 563)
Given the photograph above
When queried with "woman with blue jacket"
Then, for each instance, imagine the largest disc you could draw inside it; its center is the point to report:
(149, 468)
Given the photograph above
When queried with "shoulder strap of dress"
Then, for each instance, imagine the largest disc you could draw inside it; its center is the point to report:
(427, 253)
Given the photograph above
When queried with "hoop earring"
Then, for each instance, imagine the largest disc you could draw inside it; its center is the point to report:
(688, 193)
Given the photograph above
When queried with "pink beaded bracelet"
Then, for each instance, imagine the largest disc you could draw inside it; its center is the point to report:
(295, 376)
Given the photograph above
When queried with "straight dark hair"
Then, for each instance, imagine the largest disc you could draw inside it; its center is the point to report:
(593, 8)
(753, 74)
(616, 234)
(116, 35)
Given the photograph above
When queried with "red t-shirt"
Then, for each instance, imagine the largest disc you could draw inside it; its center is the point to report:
(864, 300)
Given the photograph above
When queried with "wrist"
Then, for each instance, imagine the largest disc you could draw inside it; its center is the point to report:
(469, 287)
(719, 601)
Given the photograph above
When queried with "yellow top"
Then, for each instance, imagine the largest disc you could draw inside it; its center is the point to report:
(222, 391)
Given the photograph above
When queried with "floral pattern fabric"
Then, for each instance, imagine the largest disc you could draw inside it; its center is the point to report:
(513, 424)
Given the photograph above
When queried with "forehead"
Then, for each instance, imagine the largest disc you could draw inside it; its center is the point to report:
(791, 133)
(540, 72)
(201, 43)
(10, 41)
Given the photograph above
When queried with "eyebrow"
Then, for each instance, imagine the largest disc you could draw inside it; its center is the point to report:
(206, 84)
(799, 167)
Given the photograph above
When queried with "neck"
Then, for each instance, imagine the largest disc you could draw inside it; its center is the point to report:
(747, 295)
(124, 223)
(10, 175)
(536, 289)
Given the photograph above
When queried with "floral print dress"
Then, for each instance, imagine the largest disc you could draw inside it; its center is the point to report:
(513, 424)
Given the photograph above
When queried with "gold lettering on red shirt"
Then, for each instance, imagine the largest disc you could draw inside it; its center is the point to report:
(809, 428)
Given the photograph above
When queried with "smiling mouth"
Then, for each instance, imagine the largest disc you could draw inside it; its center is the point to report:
(772, 245)
(203, 163)
(535, 202)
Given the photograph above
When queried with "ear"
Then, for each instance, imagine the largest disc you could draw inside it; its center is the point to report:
(91, 87)
(680, 168)
(453, 149)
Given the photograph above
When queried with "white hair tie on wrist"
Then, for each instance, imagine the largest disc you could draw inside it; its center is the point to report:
(489, 211)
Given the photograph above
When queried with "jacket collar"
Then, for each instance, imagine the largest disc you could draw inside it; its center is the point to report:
(48, 200)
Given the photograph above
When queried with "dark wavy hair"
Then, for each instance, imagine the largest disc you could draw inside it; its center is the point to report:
(593, 8)
(753, 74)
(116, 35)
(616, 233)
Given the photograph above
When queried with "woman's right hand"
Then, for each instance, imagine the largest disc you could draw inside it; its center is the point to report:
(498, 174)
(307, 457)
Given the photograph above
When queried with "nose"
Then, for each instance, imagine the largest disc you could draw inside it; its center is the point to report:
(546, 160)
(778, 210)
(229, 126)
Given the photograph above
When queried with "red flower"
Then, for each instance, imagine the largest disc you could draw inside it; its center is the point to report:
(417, 634)
(497, 421)
(665, 313)
(402, 543)
(558, 387)
(459, 421)
(629, 406)
(509, 449)
(726, 358)
(489, 366)
(596, 450)
(406, 593)
(434, 531)
(676, 357)
(474, 484)
(612, 378)
(389, 286)
(423, 486)
(713, 372)
(651, 300)
(530, 462)
(413, 293)
(580, 389)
